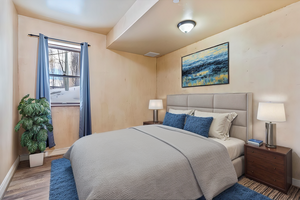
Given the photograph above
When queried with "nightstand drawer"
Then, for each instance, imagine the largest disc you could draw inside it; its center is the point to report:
(152, 122)
(267, 156)
(266, 176)
(272, 167)
(265, 165)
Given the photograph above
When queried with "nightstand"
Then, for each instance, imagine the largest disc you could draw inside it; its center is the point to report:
(272, 167)
(152, 122)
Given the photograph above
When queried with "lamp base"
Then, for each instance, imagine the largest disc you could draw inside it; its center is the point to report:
(155, 115)
(271, 146)
(271, 135)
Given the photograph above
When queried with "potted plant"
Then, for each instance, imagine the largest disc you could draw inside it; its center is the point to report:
(35, 114)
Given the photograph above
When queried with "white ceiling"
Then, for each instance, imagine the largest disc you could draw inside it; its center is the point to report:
(157, 31)
(93, 15)
(155, 28)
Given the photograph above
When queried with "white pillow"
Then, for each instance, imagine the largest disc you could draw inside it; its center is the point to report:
(187, 112)
(220, 125)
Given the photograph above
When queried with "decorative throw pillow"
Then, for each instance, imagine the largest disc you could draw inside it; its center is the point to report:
(174, 120)
(199, 125)
(221, 124)
(175, 111)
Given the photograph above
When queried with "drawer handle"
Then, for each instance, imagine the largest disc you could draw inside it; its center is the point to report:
(251, 171)
(275, 168)
(274, 180)
(252, 151)
(274, 157)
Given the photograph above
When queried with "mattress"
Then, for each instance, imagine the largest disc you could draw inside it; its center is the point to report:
(234, 146)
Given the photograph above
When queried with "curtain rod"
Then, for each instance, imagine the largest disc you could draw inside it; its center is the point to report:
(57, 39)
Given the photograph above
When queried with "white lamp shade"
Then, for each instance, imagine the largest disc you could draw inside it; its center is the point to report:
(155, 104)
(186, 27)
(271, 112)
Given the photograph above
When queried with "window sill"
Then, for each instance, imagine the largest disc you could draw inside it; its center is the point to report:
(65, 105)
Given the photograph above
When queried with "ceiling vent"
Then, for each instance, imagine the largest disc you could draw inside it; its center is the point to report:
(151, 54)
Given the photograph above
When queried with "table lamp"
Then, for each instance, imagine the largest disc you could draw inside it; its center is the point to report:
(271, 112)
(155, 104)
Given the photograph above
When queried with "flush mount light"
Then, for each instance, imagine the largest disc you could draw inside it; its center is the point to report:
(186, 25)
(151, 54)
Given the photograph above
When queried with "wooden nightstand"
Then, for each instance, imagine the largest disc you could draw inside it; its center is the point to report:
(272, 167)
(152, 122)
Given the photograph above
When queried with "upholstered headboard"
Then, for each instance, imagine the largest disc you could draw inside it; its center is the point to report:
(241, 103)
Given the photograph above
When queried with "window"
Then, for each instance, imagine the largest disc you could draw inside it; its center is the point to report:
(64, 71)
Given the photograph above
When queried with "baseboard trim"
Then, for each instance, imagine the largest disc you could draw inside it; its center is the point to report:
(56, 152)
(5, 183)
(24, 157)
(48, 153)
(296, 182)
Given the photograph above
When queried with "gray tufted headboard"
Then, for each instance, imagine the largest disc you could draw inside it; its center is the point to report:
(241, 103)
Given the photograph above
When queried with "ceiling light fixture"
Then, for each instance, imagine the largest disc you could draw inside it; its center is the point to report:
(186, 25)
(151, 54)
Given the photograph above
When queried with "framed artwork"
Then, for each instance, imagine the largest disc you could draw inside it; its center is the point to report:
(206, 67)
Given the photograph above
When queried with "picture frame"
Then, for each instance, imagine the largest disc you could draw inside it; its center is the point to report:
(207, 67)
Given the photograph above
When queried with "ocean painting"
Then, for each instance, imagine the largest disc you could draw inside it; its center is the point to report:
(206, 67)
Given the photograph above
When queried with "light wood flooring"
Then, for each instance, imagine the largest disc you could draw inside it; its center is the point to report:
(30, 183)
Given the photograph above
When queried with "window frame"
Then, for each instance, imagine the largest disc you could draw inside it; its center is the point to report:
(66, 48)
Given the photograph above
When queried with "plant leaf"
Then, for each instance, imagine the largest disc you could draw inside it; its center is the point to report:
(47, 111)
(32, 146)
(42, 135)
(27, 123)
(20, 105)
(45, 119)
(35, 129)
(30, 134)
(45, 103)
(37, 107)
(28, 143)
(49, 127)
(38, 120)
(28, 109)
(24, 139)
(42, 146)
(30, 100)
(23, 99)
(17, 127)
(42, 108)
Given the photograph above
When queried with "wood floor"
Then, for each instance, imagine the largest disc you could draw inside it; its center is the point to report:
(30, 183)
(34, 183)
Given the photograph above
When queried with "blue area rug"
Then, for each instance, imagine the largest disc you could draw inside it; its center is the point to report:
(62, 185)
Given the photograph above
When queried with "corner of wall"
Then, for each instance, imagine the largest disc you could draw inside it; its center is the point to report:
(156, 78)
(9, 140)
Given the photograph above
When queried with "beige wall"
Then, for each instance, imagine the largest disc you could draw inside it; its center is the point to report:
(264, 60)
(8, 86)
(121, 83)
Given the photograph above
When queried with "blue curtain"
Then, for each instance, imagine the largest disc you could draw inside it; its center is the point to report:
(42, 82)
(85, 123)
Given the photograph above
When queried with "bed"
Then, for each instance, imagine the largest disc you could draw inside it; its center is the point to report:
(241, 103)
(161, 162)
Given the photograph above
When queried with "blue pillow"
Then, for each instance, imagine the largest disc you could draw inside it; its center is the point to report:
(199, 125)
(174, 120)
